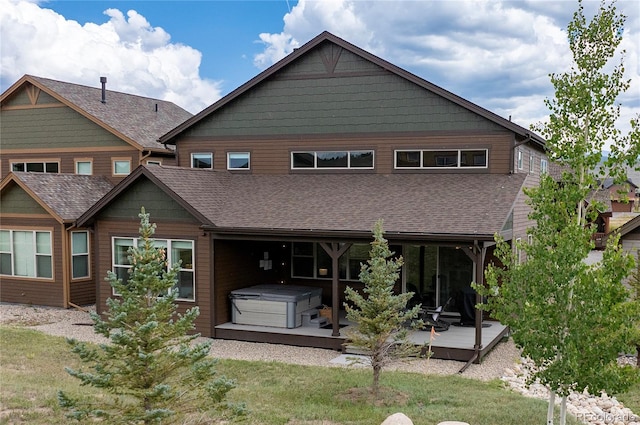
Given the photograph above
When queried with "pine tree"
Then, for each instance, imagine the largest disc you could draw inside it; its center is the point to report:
(151, 370)
(381, 316)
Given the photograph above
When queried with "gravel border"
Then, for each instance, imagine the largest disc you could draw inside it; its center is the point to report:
(73, 323)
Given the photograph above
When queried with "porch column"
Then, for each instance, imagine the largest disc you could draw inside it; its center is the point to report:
(335, 251)
(477, 254)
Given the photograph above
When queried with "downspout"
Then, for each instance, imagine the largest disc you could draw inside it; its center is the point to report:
(480, 254)
(512, 168)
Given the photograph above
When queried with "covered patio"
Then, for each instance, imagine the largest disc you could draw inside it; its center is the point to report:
(457, 343)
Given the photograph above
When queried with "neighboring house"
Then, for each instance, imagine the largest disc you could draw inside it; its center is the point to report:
(624, 196)
(44, 258)
(630, 237)
(57, 127)
(281, 181)
(62, 147)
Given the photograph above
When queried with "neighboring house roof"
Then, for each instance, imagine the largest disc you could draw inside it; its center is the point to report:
(64, 196)
(130, 117)
(524, 133)
(435, 206)
(629, 226)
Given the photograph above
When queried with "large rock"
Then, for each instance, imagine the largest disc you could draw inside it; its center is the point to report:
(397, 419)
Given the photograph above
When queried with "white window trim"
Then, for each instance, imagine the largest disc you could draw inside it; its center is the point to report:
(154, 162)
(531, 165)
(544, 166)
(170, 260)
(210, 154)
(520, 160)
(113, 166)
(229, 167)
(82, 161)
(348, 167)
(11, 252)
(87, 254)
(459, 165)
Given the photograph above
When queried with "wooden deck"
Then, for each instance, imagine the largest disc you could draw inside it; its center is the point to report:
(457, 343)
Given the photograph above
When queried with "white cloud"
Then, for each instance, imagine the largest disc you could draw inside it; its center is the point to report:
(498, 54)
(135, 56)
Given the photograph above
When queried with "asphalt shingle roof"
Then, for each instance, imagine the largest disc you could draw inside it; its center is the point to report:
(420, 204)
(133, 116)
(68, 195)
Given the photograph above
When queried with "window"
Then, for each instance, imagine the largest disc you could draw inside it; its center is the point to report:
(238, 160)
(84, 167)
(332, 159)
(531, 164)
(26, 253)
(202, 160)
(79, 255)
(544, 166)
(154, 162)
(121, 167)
(454, 158)
(36, 167)
(519, 250)
(519, 160)
(309, 260)
(176, 251)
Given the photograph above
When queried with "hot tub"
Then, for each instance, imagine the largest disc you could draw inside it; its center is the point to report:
(273, 305)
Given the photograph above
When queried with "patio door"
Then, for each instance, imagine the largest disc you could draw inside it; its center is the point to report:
(437, 274)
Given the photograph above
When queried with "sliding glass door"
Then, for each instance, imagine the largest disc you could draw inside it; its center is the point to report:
(438, 275)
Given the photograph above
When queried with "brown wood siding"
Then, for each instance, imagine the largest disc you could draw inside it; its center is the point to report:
(101, 160)
(82, 292)
(47, 292)
(106, 229)
(273, 156)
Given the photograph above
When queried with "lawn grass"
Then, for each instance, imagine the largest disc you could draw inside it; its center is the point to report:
(32, 371)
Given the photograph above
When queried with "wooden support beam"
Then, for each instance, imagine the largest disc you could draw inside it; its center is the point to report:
(335, 251)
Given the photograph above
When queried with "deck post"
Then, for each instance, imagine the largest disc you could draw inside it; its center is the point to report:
(335, 251)
(479, 272)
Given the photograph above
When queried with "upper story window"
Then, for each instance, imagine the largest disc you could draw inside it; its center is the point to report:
(454, 158)
(176, 251)
(519, 160)
(238, 160)
(531, 157)
(84, 166)
(202, 160)
(36, 166)
(362, 159)
(26, 253)
(154, 162)
(121, 167)
(544, 166)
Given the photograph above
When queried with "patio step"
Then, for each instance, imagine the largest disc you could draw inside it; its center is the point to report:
(311, 318)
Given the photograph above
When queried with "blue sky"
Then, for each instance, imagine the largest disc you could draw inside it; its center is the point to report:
(495, 53)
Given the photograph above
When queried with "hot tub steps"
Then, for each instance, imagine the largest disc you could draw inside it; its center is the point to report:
(312, 319)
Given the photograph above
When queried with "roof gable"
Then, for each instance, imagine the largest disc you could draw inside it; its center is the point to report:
(15, 200)
(330, 86)
(64, 196)
(137, 120)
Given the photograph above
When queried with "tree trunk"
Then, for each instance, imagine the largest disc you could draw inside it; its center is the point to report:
(563, 411)
(552, 401)
(376, 381)
(638, 355)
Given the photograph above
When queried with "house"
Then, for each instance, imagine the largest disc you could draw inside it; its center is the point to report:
(63, 147)
(45, 259)
(624, 196)
(281, 181)
(630, 237)
(57, 127)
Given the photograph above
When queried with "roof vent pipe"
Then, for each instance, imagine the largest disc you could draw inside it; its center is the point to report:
(103, 80)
